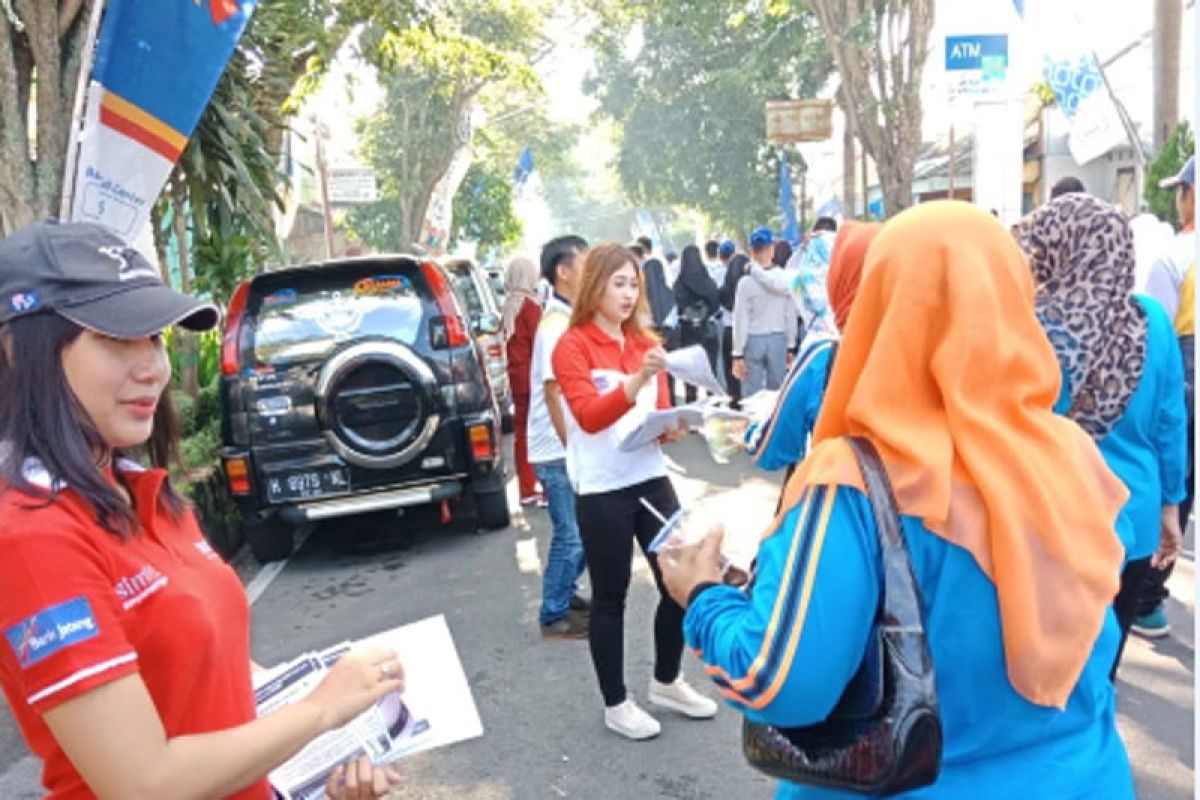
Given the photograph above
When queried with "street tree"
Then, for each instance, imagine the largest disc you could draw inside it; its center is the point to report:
(433, 75)
(690, 100)
(484, 207)
(880, 48)
(41, 47)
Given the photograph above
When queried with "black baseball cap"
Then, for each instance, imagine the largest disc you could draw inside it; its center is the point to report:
(94, 278)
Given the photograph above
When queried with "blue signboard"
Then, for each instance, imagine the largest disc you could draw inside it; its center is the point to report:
(989, 52)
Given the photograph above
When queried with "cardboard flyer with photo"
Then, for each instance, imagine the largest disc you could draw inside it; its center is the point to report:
(435, 709)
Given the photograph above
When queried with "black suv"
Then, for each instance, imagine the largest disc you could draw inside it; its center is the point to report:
(354, 386)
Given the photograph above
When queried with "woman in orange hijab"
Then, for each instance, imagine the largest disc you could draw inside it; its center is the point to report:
(1008, 511)
(782, 440)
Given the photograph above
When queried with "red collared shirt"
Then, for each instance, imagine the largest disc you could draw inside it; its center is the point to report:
(80, 608)
(590, 367)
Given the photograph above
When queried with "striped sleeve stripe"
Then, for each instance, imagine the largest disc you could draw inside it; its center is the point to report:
(82, 675)
(799, 593)
(718, 674)
(771, 425)
(785, 602)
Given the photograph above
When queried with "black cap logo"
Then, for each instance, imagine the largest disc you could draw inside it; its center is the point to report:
(129, 264)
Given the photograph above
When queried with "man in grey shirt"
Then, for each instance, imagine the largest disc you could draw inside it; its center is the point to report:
(764, 325)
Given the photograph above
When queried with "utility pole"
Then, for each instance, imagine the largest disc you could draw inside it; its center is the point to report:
(323, 173)
(1168, 22)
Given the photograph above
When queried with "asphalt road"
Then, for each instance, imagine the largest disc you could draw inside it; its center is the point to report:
(544, 736)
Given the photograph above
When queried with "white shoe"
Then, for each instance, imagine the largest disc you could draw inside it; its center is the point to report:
(628, 719)
(681, 697)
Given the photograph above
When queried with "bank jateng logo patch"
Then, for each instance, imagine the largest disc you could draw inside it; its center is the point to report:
(51, 630)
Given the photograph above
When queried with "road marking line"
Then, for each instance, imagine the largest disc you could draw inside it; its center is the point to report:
(263, 578)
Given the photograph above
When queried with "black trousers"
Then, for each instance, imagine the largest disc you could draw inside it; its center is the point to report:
(732, 385)
(1133, 582)
(609, 524)
(1155, 592)
(691, 335)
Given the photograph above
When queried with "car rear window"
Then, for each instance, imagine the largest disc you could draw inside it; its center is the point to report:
(306, 319)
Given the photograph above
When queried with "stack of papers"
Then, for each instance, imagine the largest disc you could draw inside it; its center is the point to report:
(436, 707)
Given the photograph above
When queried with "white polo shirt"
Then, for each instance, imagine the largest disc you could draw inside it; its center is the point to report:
(543, 444)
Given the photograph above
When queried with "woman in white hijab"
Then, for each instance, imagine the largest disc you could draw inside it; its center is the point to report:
(521, 314)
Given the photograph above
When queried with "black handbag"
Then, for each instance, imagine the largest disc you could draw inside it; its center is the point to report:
(885, 734)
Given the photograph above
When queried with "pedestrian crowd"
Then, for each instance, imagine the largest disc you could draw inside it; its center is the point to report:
(1032, 414)
(989, 442)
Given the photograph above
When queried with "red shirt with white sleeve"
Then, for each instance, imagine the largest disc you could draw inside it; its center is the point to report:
(591, 367)
(80, 607)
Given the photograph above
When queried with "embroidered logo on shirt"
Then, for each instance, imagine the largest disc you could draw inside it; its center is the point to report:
(51, 630)
(136, 588)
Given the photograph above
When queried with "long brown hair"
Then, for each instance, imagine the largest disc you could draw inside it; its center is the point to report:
(601, 264)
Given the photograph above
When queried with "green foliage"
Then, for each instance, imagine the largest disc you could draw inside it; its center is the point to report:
(433, 75)
(225, 258)
(208, 357)
(1179, 146)
(484, 212)
(200, 428)
(691, 101)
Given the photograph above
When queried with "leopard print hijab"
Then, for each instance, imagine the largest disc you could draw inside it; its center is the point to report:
(1081, 252)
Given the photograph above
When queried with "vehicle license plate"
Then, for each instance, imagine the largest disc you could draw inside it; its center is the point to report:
(307, 484)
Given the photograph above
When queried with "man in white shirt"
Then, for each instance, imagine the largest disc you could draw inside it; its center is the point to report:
(563, 614)
(764, 325)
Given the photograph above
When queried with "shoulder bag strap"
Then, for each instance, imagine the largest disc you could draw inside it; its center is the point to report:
(901, 601)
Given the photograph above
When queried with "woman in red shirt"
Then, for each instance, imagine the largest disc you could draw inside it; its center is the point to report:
(521, 317)
(125, 657)
(609, 368)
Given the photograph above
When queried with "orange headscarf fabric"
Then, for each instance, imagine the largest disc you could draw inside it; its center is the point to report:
(846, 265)
(944, 366)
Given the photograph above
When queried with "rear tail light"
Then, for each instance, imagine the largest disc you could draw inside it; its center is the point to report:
(495, 351)
(231, 340)
(482, 447)
(450, 328)
(237, 472)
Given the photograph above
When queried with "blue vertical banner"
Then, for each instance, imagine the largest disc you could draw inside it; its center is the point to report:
(157, 63)
(787, 203)
(524, 168)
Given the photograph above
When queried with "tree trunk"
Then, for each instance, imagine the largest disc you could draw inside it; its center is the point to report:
(880, 52)
(49, 47)
(849, 161)
(1168, 22)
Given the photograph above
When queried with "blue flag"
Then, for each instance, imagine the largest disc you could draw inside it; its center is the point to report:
(524, 168)
(787, 203)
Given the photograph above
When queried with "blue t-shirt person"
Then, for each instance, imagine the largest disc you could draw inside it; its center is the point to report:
(1147, 448)
(782, 440)
(787, 663)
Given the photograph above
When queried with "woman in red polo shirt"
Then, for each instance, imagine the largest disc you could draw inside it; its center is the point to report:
(125, 653)
(607, 365)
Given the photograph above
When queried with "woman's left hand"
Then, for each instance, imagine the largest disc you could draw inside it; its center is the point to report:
(359, 779)
(685, 568)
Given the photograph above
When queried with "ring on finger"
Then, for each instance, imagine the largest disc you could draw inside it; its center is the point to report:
(385, 671)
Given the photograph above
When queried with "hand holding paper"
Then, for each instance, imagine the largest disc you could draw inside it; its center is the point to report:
(691, 365)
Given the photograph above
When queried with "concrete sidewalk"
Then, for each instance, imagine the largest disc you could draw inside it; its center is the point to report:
(1156, 697)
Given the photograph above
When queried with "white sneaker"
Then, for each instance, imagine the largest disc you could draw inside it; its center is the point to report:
(628, 719)
(681, 697)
